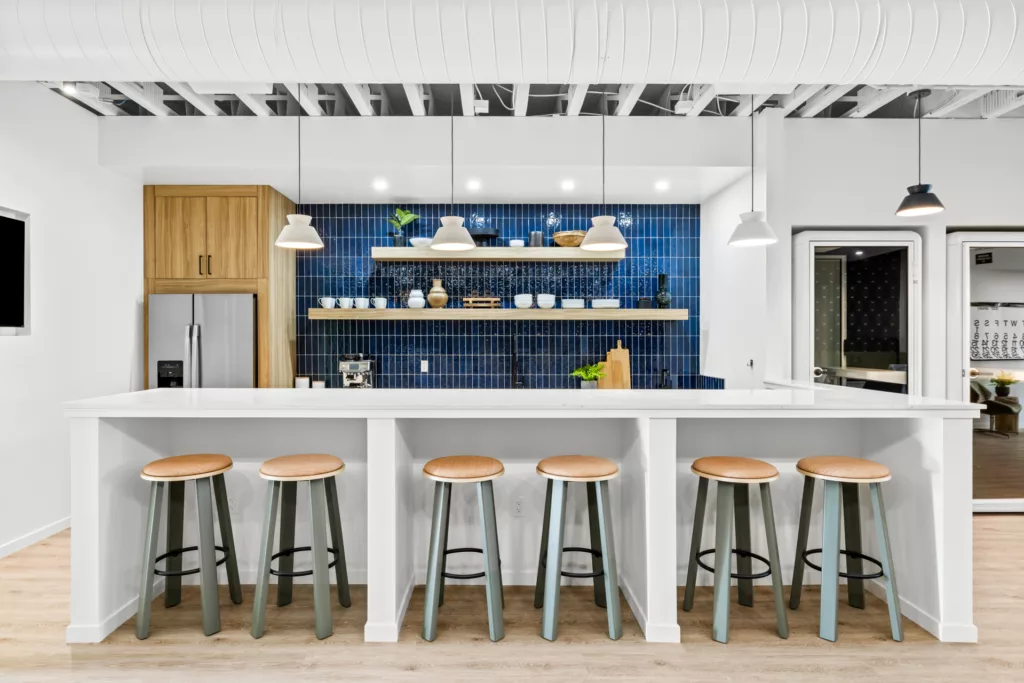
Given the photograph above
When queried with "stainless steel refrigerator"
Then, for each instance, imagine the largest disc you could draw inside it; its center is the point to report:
(202, 340)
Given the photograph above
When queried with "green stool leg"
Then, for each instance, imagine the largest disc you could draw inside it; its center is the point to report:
(286, 563)
(723, 562)
(611, 572)
(553, 568)
(444, 544)
(227, 537)
(698, 530)
(441, 503)
(538, 593)
(337, 542)
(595, 544)
(259, 602)
(768, 512)
(744, 565)
(321, 571)
(801, 543)
(148, 560)
(851, 522)
(892, 595)
(830, 561)
(175, 523)
(207, 558)
(492, 567)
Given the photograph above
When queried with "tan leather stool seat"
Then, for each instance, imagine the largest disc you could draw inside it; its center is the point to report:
(844, 468)
(577, 468)
(185, 467)
(732, 469)
(464, 469)
(301, 467)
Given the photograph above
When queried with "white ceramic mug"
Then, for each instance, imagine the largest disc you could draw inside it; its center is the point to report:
(327, 301)
(302, 383)
(380, 302)
(345, 302)
(362, 302)
(319, 384)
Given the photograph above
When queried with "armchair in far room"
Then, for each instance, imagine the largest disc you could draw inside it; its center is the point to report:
(994, 406)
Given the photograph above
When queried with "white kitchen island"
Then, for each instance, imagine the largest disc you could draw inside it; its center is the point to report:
(385, 436)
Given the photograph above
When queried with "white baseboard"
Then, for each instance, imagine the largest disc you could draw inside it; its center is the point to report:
(387, 632)
(13, 546)
(947, 633)
(95, 633)
(999, 505)
(634, 604)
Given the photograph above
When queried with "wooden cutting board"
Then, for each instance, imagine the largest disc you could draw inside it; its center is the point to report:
(616, 369)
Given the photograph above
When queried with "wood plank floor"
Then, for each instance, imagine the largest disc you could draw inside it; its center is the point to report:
(998, 466)
(34, 607)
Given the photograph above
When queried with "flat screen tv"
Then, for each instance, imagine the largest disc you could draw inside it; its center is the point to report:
(13, 273)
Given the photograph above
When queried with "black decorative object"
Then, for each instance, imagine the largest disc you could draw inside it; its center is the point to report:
(645, 302)
(663, 298)
(1002, 391)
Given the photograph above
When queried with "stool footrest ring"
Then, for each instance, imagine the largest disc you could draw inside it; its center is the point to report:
(478, 575)
(190, 549)
(578, 575)
(738, 553)
(849, 553)
(292, 551)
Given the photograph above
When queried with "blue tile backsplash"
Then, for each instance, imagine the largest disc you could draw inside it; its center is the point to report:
(663, 238)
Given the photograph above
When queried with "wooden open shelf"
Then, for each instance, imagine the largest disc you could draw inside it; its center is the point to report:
(496, 254)
(498, 314)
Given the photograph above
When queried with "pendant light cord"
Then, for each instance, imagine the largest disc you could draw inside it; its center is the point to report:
(751, 152)
(452, 117)
(917, 113)
(604, 143)
(297, 86)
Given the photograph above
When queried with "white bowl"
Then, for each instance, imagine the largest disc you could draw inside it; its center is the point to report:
(524, 304)
(417, 303)
(546, 304)
(604, 303)
(420, 241)
(545, 297)
(517, 243)
(573, 303)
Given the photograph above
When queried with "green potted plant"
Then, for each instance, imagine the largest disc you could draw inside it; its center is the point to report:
(589, 374)
(398, 219)
(1002, 382)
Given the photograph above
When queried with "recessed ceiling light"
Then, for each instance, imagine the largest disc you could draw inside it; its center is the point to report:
(661, 185)
(473, 184)
(858, 253)
(69, 88)
(568, 186)
(380, 184)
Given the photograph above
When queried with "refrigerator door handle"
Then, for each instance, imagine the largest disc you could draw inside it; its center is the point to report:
(187, 369)
(196, 358)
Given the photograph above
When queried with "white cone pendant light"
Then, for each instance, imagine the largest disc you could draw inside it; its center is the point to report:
(603, 236)
(753, 230)
(299, 234)
(920, 201)
(452, 235)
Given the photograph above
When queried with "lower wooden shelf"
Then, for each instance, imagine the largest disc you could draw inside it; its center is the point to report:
(498, 314)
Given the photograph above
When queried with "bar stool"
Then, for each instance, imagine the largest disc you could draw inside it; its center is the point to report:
(283, 475)
(204, 470)
(596, 472)
(734, 475)
(463, 469)
(843, 475)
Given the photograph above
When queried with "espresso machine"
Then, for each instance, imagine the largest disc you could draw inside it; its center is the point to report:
(356, 371)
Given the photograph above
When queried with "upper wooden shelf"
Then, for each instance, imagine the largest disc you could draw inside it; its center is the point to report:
(498, 314)
(495, 254)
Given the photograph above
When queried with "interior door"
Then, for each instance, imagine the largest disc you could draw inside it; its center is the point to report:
(231, 237)
(829, 317)
(180, 237)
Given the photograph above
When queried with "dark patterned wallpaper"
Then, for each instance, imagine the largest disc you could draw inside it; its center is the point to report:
(874, 322)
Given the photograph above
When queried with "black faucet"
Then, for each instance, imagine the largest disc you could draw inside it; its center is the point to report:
(516, 382)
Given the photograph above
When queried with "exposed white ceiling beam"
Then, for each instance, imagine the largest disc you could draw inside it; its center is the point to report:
(467, 95)
(574, 103)
(149, 96)
(875, 102)
(1000, 102)
(203, 103)
(744, 106)
(256, 104)
(628, 95)
(960, 98)
(225, 88)
(307, 97)
(802, 93)
(360, 96)
(520, 98)
(822, 99)
(702, 96)
(89, 95)
(414, 93)
(334, 95)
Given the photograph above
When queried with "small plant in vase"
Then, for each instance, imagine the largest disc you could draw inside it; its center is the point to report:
(589, 374)
(398, 219)
(1002, 382)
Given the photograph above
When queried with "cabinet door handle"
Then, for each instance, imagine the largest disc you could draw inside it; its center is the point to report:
(209, 265)
(200, 264)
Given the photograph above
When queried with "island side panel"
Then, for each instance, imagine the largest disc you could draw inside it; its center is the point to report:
(661, 550)
(383, 539)
(957, 554)
(631, 532)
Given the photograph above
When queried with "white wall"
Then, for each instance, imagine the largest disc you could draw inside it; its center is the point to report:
(1000, 281)
(86, 285)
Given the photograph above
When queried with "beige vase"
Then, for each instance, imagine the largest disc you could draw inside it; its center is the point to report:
(437, 297)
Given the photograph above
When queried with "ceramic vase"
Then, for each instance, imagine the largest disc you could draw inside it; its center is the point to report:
(399, 240)
(1002, 391)
(437, 297)
(663, 298)
(588, 385)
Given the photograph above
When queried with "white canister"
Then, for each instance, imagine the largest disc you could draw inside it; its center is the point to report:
(302, 383)
(319, 384)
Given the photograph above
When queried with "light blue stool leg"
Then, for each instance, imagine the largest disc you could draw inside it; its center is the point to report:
(695, 538)
(149, 546)
(227, 537)
(801, 543)
(338, 541)
(175, 524)
(286, 563)
(538, 593)
(321, 571)
(432, 600)
(259, 601)
(595, 543)
(444, 545)
(830, 561)
(553, 570)
(611, 572)
(723, 562)
(851, 531)
(892, 595)
(744, 565)
(768, 512)
(207, 558)
(492, 567)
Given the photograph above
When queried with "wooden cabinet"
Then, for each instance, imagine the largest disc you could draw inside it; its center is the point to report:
(180, 237)
(231, 237)
(206, 237)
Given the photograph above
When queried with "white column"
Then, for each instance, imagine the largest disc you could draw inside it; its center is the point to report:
(956, 534)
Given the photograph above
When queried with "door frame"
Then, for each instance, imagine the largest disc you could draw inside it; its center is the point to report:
(804, 244)
(841, 258)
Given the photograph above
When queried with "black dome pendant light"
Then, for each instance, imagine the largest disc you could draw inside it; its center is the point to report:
(920, 201)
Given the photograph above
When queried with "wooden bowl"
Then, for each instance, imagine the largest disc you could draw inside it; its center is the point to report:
(570, 238)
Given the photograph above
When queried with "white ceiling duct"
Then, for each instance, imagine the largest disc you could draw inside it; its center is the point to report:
(938, 42)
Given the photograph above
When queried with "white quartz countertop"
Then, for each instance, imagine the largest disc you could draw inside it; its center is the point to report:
(782, 400)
